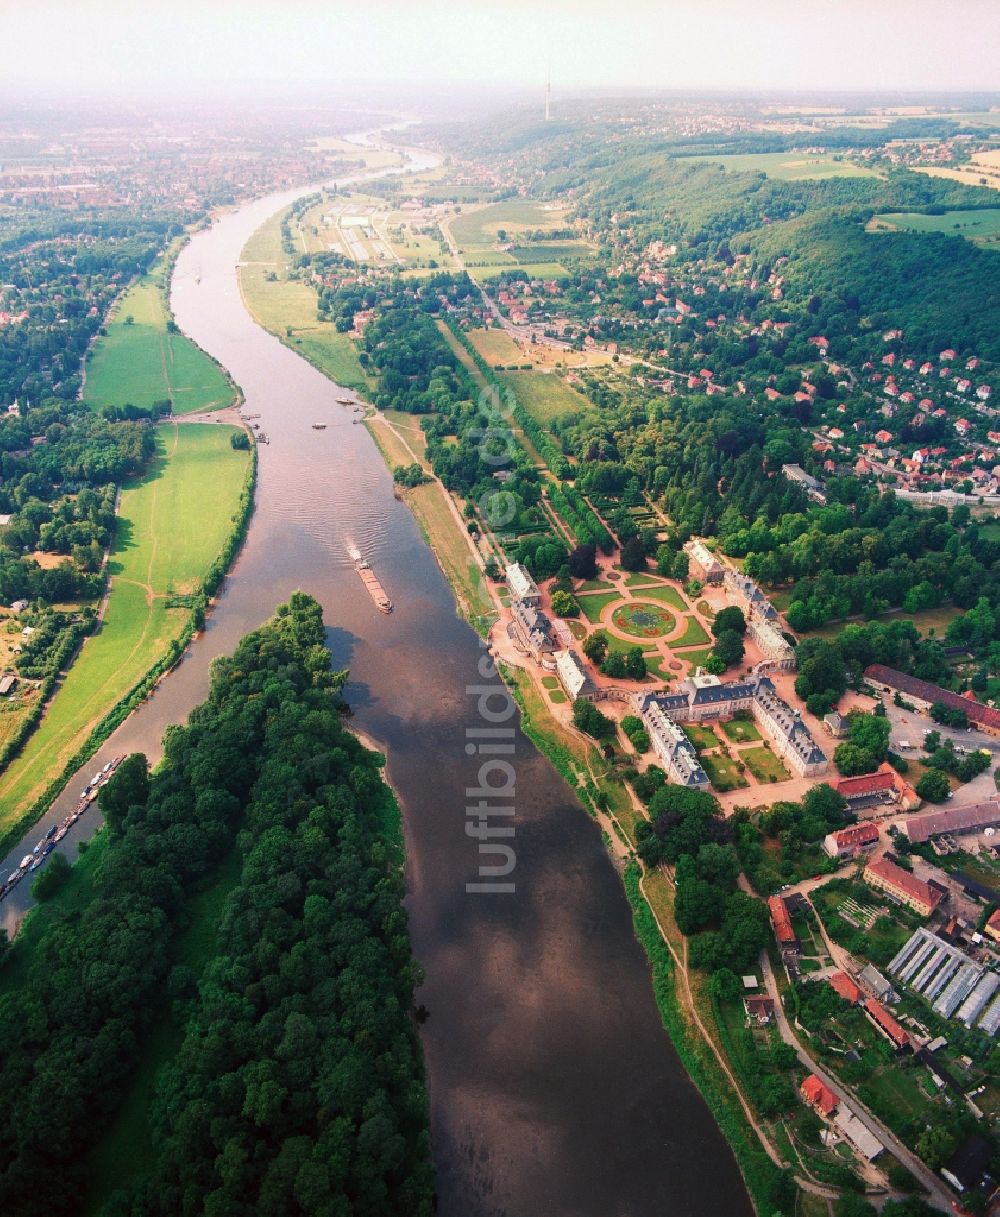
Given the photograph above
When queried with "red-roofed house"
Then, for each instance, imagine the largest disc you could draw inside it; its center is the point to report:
(884, 785)
(819, 1096)
(781, 923)
(848, 841)
(846, 988)
(882, 1021)
(992, 927)
(759, 1008)
(947, 355)
(885, 876)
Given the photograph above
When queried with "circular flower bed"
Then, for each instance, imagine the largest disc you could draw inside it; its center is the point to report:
(643, 620)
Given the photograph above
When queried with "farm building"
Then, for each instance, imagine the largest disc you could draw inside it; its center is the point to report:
(924, 694)
(973, 817)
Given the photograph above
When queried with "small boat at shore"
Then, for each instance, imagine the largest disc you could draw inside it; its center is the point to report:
(345, 401)
(319, 426)
(375, 589)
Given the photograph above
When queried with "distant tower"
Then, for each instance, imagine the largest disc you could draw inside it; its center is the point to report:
(548, 94)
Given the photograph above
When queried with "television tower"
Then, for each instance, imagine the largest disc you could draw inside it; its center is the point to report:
(548, 93)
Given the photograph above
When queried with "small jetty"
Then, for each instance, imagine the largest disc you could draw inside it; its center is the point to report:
(375, 589)
(39, 855)
(262, 438)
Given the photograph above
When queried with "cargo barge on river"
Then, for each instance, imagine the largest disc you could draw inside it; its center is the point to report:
(375, 589)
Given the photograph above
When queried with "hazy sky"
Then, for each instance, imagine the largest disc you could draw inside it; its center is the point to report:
(848, 44)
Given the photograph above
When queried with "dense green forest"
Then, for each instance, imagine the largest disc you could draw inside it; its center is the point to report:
(298, 1087)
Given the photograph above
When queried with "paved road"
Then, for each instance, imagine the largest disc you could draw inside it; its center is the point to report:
(939, 1194)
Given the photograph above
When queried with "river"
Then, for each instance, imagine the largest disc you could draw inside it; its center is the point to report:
(554, 1088)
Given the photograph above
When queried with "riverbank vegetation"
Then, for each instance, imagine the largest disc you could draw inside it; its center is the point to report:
(307, 997)
(176, 524)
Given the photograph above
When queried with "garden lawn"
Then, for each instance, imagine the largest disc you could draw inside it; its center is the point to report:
(593, 605)
(701, 737)
(139, 362)
(764, 765)
(740, 731)
(172, 526)
(694, 635)
(666, 594)
(722, 772)
(642, 621)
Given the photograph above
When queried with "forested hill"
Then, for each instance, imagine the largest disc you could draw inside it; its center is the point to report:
(298, 1086)
(942, 290)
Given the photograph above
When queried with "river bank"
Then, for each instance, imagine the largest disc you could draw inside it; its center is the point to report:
(553, 1088)
(580, 764)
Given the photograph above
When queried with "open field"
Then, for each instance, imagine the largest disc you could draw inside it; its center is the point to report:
(544, 395)
(139, 361)
(790, 166)
(982, 170)
(451, 547)
(288, 309)
(980, 227)
(496, 346)
(171, 527)
(481, 226)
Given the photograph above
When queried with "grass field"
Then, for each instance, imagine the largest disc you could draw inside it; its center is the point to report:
(667, 595)
(980, 227)
(139, 361)
(764, 765)
(594, 604)
(693, 636)
(171, 527)
(496, 346)
(513, 216)
(701, 737)
(740, 731)
(722, 772)
(287, 308)
(790, 166)
(544, 395)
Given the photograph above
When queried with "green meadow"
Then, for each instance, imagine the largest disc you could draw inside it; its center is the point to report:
(172, 525)
(287, 308)
(979, 226)
(544, 395)
(139, 361)
(790, 166)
